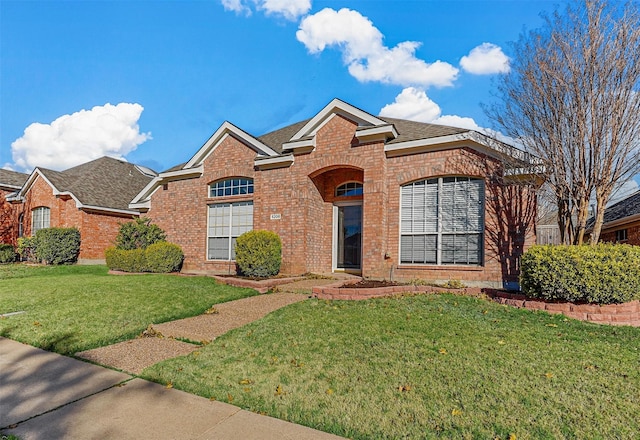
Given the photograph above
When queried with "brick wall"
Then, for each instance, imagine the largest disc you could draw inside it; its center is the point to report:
(633, 234)
(9, 219)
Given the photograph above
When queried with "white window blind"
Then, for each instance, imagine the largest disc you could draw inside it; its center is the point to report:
(41, 219)
(441, 221)
(227, 221)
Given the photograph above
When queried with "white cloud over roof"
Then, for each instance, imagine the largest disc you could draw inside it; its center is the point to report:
(485, 59)
(289, 9)
(363, 51)
(108, 130)
(414, 104)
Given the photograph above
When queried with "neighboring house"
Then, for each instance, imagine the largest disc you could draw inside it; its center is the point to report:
(93, 197)
(349, 191)
(621, 221)
(10, 182)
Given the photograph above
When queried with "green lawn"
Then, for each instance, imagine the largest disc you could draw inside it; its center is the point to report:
(74, 308)
(437, 366)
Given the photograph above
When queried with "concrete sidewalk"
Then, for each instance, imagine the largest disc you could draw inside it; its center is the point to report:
(44, 395)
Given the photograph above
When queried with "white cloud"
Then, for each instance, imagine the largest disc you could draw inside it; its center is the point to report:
(289, 9)
(365, 54)
(485, 59)
(108, 130)
(414, 104)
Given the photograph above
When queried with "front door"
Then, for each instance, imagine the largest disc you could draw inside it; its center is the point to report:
(348, 237)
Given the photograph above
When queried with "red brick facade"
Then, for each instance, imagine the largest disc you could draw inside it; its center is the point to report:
(98, 230)
(632, 233)
(297, 202)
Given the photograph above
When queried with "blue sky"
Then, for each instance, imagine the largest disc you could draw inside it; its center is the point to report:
(173, 71)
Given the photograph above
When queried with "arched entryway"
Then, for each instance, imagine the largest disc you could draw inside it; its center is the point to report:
(342, 187)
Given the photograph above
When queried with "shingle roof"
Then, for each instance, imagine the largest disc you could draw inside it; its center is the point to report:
(105, 182)
(276, 138)
(12, 178)
(624, 208)
(411, 130)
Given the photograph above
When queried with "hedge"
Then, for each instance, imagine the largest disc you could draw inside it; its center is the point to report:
(7, 253)
(161, 257)
(258, 253)
(138, 234)
(601, 274)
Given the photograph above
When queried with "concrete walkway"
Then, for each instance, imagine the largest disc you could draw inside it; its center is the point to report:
(44, 395)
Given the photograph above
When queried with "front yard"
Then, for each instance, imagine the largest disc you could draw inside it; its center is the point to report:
(73, 308)
(428, 366)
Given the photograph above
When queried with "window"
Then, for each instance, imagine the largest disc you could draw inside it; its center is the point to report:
(20, 225)
(227, 221)
(349, 189)
(442, 221)
(621, 235)
(231, 187)
(41, 218)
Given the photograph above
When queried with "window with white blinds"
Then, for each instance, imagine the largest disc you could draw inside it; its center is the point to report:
(227, 221)
(40, 219)
(441, 221)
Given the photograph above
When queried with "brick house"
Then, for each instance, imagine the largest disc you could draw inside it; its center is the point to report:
(10, 182)
(93, 197)
(621, 221)
(349, 191)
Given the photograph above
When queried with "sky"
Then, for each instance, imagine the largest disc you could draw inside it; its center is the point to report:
(149, 81)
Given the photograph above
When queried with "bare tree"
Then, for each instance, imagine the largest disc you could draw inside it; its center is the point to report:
(572, 97)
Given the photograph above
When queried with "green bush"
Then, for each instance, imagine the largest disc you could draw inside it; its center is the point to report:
(163, 257)
(7, 253)
(57, 245)
(159, 257)
(602, 274)
(258, 254)
(139, 234)
(130, 260)
(27, 248)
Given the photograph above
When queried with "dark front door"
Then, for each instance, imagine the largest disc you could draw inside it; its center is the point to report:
(349, 243)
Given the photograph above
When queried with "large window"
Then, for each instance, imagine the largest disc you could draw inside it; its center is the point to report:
(41, 218)
(231, 187)
(227, 221)
(442, 221)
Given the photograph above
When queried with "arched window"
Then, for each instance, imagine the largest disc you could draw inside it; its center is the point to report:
(442, 221)
(231, 187)
(349, 189)
(40, 219)
(21, 225)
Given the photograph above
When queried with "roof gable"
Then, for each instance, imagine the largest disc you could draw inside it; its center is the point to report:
(228, 129)
(102, 184)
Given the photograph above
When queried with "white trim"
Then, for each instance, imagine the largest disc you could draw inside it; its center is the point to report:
(384, 133)
(266, 163)
(341, 108)
(228, 129)
(621, 221)
(301, 145)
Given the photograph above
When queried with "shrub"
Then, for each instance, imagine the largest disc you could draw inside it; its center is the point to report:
(159, 257)
(27, 248)
(57, 245)
(259, 253)
(139, 234)
(602, 274)
(7, 253)
(163, 257)
(130, 260)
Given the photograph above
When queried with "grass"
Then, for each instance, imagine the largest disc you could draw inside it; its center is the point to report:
(73, 308)
(437, 366)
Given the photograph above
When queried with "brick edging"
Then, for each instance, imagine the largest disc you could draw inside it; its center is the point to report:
(614, 314)
(262, 286)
